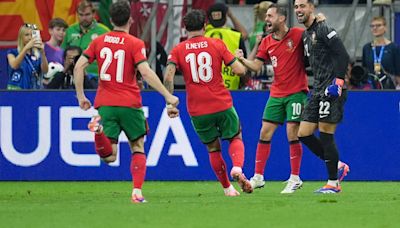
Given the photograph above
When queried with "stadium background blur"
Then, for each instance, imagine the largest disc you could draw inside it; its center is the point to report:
(52, 143)
(352, 23)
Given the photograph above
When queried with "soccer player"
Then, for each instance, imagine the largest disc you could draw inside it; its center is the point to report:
(118, 97)
(209, 103)
(328, 59)
(284, 47)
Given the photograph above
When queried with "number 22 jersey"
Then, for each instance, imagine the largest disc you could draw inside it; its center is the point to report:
(117, 53)
(200, 59)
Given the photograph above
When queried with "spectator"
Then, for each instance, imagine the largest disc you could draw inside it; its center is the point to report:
(65, 78)
(28, 61)
(82, 33)
(382, 56)
(54, 52)
(260, 10)
(357, 77)
(217, 15)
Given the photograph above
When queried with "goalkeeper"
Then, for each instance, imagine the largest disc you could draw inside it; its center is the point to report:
(328, 59)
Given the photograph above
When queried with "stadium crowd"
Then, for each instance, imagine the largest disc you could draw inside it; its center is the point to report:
(31, 68)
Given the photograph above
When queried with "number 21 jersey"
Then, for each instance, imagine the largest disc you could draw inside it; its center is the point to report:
(117, 53)
(200, 59)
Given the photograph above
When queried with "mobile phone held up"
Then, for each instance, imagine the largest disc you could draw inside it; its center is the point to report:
(36, 34)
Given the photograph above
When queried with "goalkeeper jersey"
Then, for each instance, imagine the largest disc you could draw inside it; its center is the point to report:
(326, 53)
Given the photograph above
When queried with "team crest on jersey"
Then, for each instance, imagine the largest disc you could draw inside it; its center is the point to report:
(290, 44)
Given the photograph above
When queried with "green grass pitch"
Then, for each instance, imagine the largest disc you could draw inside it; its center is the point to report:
(196, 204)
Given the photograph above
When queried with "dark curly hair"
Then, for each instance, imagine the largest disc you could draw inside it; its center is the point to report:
(120, 13)
(194, 20)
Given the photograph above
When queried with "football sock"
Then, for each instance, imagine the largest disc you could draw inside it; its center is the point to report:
(331, 154)
(334, 183)
(102, 145)
(219, 167)
(228, 189)
(138, 169)
(236, 152)
(294, 177)
(262, 155)
(314, 144)
(137, 191)
(296, 152)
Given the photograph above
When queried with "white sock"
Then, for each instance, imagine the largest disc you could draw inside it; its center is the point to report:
(230, 188)
(294, 177)
(258, 176)
(334, 183)
(237, 168)
(137, 191)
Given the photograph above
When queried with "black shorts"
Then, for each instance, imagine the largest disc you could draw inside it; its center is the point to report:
(321, 108)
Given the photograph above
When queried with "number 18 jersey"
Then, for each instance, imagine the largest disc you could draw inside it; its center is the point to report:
(117, 53)
(200, 59)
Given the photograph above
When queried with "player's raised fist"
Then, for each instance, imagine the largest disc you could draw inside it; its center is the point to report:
(85, 104)
(239, 53)
(173, 112)
(172, 100)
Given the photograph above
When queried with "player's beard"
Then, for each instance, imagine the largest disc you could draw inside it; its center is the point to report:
(303, 19)
(86, 24)
(273, 28)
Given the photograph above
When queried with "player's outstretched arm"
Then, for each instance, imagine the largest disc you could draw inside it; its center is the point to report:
(253, 65)
(79, 73)
(238, 68)
(169, 75)
(153, 80)
(169, 84)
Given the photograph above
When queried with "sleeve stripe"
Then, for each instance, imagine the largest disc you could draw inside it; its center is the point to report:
(141, 61)
(86, 55)
(231, 62)
(261, 59)
(331, 34)
(171, 62)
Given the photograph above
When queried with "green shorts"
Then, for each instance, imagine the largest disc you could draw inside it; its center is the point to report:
(117, 119)
(288, 108)
(223, 125)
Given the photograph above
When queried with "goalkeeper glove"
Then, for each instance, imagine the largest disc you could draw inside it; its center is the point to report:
(335, 89)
